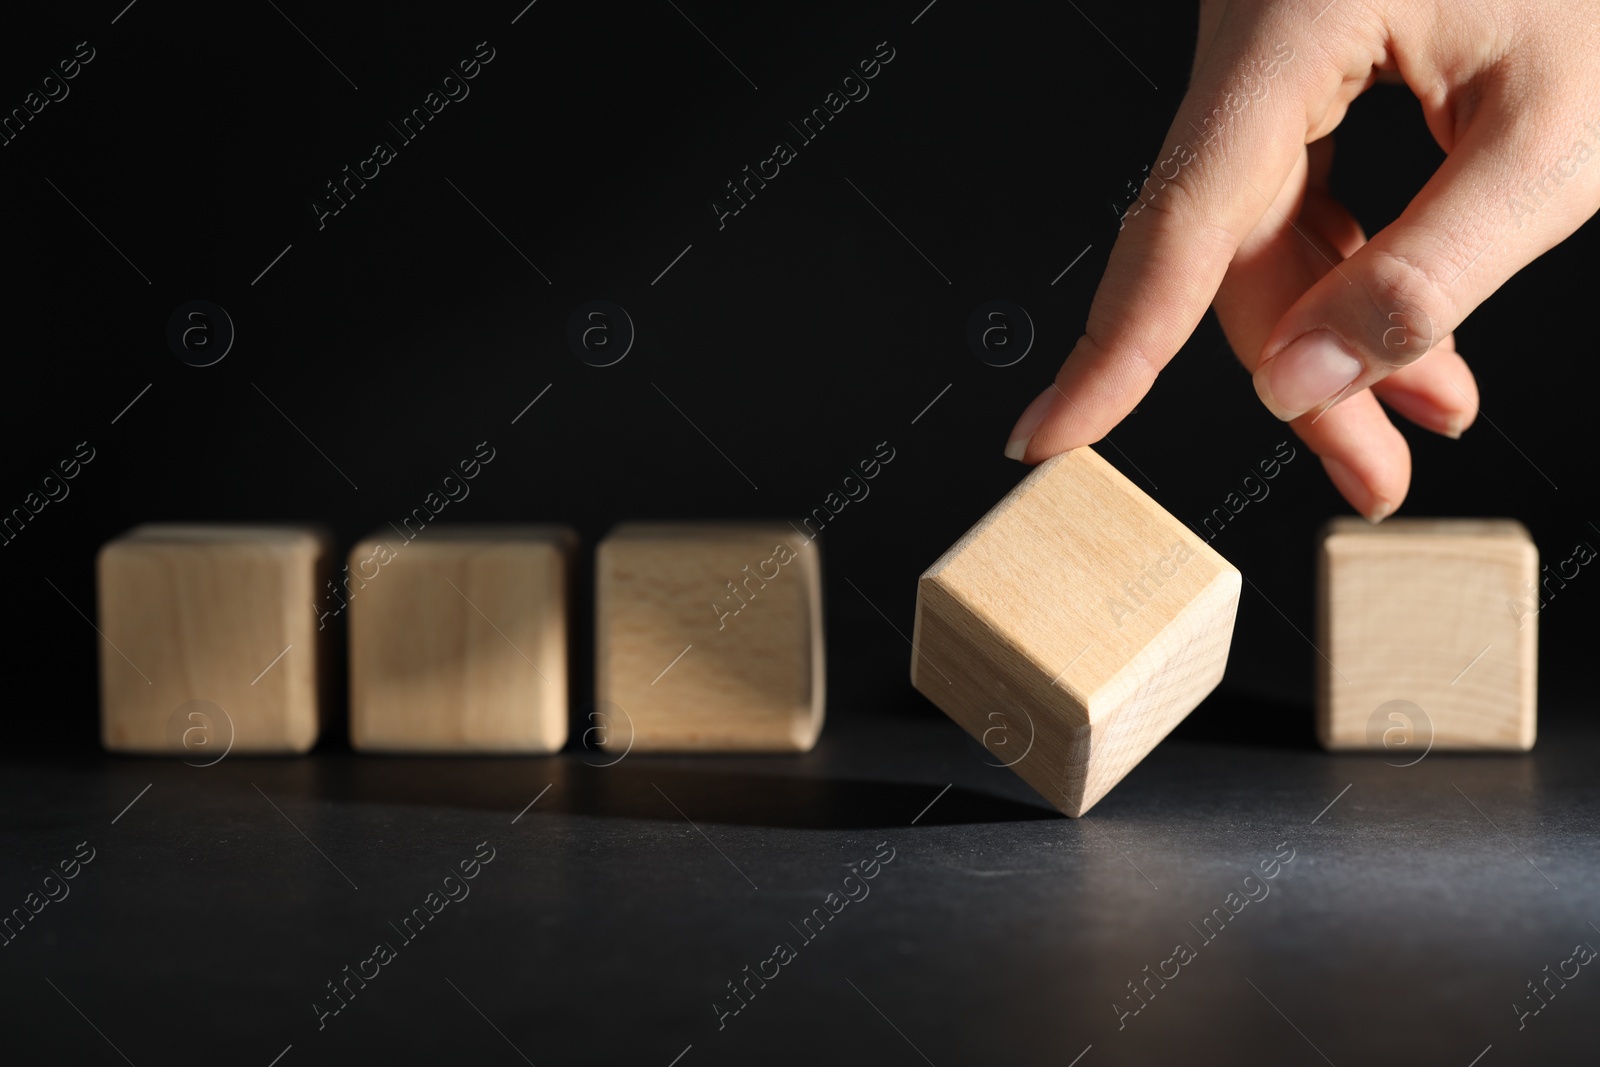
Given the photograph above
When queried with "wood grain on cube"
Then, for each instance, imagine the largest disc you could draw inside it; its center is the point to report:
(1077, 622)
(458, 640)
(200, 617)
(709, 638)
(1440, 614)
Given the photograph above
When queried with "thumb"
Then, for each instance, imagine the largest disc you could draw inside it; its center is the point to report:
(1514, 185)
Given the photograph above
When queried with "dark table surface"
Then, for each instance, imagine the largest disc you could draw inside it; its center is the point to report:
(1419, 903)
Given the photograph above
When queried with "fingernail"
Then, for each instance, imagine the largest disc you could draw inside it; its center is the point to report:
(1381, 510)
(1032, 416)
(1454, 427)
(1311, 371)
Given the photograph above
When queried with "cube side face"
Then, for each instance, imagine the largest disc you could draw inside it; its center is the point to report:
(309, 575)
(209, 644)
(1426, 646)
(686, 662)
(1322, 636)
(1079, 567)
(964, 667)
(460, 645)
(1159, 689)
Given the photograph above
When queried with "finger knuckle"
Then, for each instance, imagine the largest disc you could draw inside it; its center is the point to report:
(1413, 306)
(1185, 221)
(1128, 366)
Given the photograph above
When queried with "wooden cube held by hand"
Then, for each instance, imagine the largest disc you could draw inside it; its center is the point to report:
(708, 638)
(1428, 632)
(458, 640)
(1073, 627)
(210, 643)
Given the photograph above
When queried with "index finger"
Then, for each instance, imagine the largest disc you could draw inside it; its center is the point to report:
(1238, 134)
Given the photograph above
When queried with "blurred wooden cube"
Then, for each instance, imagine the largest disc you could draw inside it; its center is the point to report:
(1428, 631)
(1073, 627)
(458, 640)
(709, 638)
(211, 640)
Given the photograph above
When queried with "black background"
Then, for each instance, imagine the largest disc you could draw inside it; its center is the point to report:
(999, 140)
(796, 338)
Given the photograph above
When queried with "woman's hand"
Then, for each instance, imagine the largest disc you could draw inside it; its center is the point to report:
(1236, 213)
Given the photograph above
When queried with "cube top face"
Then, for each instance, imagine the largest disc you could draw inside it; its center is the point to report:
(1431, 620)
(223, 537)
(458, 640)
(709, 637)
(1493, 531)
(193, 616)
(1080, 573)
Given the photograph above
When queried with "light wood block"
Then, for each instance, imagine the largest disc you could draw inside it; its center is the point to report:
(1430, 632)
(202, 613)
(1073, 627)
(458, 640)
(709, 638)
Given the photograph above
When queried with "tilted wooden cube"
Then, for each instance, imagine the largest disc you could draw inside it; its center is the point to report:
(708, 638)
(210, 641)
(1073, 627)
(458, 640)
(1428, 631)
